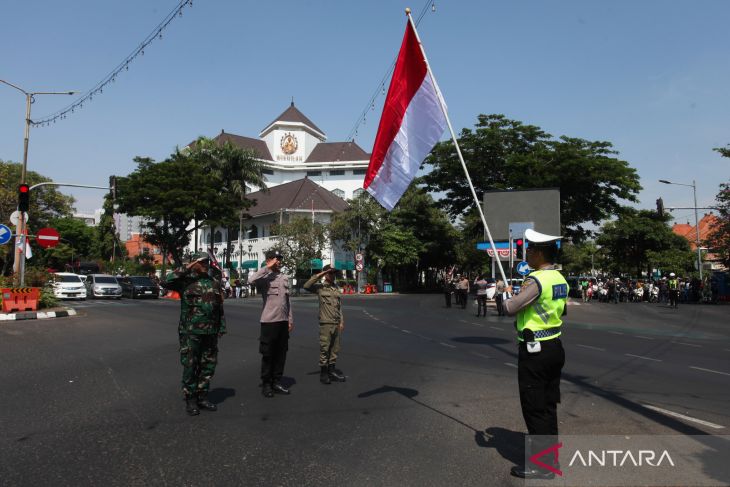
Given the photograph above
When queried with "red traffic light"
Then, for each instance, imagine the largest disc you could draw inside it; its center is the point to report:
(23, 188)
(518, 241)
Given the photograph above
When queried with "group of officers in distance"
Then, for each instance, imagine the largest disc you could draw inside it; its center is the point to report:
(538, 309)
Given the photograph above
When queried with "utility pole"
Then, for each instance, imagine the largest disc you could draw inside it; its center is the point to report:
(20, 229)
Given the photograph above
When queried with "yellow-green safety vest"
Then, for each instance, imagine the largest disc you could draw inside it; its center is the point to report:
(673, 284)
(543, 315)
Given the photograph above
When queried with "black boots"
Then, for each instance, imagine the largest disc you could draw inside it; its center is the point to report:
(203, 402)
(267, 390)
(191, 406)
(335, 375)
(324, 376)
(525, 472)
(280, 389)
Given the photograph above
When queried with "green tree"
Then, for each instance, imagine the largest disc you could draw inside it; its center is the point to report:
(580, 259)
(719, 238)
(639, 239)
(393, 247)
(77, 243)
(503, 154)
(301, 240)
(107, 244)
(46, 204)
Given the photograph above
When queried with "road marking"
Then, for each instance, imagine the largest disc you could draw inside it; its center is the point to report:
(509, 364)
(645, 338)
(592, 348)
(688, 344)
(480, 355)
(447, 345)
(726, 349)
(496, 328)
(616, 332)
(406, 331)
(682, 416)
(644, 358)
(477, 324)
(709, 370)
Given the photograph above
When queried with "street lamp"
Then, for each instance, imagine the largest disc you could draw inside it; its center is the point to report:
(697, 221)
(19, 265)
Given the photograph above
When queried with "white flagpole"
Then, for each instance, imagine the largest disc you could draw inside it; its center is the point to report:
(458, 150)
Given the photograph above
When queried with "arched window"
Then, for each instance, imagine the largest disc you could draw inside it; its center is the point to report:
(339, 193)
(357, 192)
(218, 237)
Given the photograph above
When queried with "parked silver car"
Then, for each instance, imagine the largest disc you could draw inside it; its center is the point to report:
(103, 286)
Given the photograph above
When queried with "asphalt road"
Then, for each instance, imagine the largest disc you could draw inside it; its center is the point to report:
(431, 396)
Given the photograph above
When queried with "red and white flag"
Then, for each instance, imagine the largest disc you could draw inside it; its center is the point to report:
(412, 122)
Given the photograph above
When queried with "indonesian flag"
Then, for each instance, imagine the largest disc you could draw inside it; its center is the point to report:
(411, 124)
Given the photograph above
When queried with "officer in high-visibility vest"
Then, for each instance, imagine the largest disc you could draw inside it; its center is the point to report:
(673, 285)
(539, 307)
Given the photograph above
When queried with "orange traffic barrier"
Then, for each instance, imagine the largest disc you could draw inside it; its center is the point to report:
(172, 295)
(20, 299)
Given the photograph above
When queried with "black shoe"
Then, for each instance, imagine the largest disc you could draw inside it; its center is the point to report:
(204, 403)
(191, 406)
(531, 473)
(267, 390)
(335, 374)
(324, 377)
(280, 389)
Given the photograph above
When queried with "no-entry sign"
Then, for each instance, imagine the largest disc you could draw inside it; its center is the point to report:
(47, 237)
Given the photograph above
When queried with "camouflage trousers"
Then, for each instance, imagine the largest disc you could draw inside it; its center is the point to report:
(329, 343)
(198, 356)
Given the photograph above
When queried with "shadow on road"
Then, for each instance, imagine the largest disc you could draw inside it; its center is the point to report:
(509, 444)
(220, 394)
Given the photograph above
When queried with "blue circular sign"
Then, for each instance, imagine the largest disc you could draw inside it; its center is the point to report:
(523, 268)
(5, 234)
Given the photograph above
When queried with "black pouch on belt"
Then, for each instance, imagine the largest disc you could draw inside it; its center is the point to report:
(533, 346)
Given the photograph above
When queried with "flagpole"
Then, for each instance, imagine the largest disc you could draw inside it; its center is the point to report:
(456, 144)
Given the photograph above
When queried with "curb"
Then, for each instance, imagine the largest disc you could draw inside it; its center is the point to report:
(36, 315)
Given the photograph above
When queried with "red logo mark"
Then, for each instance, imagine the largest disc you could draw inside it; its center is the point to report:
(554, 450)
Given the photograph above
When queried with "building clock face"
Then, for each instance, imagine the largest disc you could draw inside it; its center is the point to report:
(289, 144)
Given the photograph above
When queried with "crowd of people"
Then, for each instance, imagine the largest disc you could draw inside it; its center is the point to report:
(670, 290)
(485, 289)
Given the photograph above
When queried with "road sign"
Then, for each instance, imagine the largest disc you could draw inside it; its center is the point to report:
(5, 234)
(359, 267)
(358, 257)
(15, 217)
(523, 268)
(47, 237)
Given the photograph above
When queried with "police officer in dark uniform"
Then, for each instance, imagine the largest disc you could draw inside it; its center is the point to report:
(538, 308)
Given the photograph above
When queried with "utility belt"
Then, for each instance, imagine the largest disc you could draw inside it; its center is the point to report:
(542, 334)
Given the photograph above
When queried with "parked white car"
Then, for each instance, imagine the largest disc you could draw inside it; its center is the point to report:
(67, 285)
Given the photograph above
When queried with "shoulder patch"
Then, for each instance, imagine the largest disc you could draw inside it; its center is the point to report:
(560, 291)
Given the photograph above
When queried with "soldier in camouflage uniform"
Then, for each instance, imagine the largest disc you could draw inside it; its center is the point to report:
(201, 324)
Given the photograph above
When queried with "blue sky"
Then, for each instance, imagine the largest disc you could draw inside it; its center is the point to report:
(651, 77)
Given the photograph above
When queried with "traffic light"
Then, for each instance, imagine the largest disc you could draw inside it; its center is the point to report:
(23, 197)
(660, 207)
(113, 186)
(520, 248)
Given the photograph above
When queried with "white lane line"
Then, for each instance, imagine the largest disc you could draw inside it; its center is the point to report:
(477, 324)
(406, 331)
(508, 364)
(480, 355)
(688, 344)
(682, 416)
(447, 345)
(496, 328)
(642, 336)
(616, 332)
(592, 348)
(642, 357)
(463, 321)
(726, 349)
(709, 370)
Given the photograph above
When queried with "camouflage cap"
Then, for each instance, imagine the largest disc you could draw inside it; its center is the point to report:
(199, 256)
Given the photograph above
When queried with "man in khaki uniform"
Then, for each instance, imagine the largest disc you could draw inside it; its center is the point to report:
(331, 323)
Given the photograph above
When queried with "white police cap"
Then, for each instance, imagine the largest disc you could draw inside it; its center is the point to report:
(537, 237)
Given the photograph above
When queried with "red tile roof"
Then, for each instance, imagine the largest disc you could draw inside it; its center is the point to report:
(292, 114)
(302, 194)
(707, 223)
(337, 151)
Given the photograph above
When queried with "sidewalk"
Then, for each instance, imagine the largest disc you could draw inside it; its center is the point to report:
(38, 315)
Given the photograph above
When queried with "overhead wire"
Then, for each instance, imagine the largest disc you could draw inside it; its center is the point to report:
(111, 77)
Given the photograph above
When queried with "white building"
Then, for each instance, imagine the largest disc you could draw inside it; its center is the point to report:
(296, 154)
(293, 147)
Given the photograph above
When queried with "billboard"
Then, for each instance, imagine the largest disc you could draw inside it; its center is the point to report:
(519, 210)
